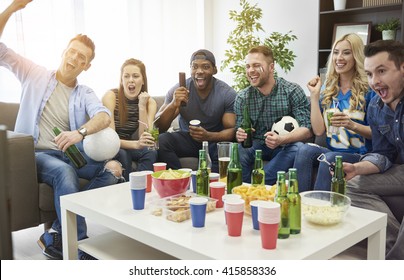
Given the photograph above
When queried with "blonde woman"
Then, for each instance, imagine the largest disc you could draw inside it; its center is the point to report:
(339, 109)
(132, 108)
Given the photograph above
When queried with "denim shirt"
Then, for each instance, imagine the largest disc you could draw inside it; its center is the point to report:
(37, 84)
(387, 134)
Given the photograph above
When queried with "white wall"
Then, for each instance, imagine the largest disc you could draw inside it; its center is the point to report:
(162, 33)
(278, 15)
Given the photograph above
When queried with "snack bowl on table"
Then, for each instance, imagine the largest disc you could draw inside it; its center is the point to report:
(176, 207)
(170, 182)
(324, 207)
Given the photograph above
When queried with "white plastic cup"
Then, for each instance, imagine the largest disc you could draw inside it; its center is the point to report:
(195, 122)
(269, 212)
(137, 180)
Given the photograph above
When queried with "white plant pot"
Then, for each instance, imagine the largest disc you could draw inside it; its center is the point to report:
(339, 5)
(388, 34)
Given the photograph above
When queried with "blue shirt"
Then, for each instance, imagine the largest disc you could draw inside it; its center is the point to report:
(347, 140)
(37, 85)
(387, 134)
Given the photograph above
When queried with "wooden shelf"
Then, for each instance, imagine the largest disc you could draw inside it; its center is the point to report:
(354, 13)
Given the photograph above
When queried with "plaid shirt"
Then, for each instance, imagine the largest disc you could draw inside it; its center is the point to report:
(286, 98)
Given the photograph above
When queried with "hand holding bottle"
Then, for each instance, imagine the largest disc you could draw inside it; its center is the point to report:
(65, 139)
(71, 151)
(241, 135)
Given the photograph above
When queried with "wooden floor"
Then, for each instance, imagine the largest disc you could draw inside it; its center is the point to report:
(26, 248)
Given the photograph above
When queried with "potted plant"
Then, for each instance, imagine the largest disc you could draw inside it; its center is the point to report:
(244, 37)
(389, 28)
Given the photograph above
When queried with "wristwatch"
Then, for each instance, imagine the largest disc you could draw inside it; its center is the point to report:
(83, 132)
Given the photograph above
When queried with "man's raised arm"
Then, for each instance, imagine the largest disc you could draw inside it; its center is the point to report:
(13, 7)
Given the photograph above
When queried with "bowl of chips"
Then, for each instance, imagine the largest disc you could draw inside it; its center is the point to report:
(170, 182)
(250, 193)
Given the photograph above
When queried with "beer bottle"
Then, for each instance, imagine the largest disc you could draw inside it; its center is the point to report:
(247, 126)
(73, 153)
(338, 182)
(295, 216)
(258, 173)
(205, 146)
(282, 199)
(234, 176)
(202, 175)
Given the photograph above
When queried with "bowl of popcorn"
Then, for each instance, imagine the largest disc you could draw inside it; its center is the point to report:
(170, 182)
(323, 207)
(250, 193)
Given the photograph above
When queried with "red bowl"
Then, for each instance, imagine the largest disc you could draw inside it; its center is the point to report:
(168, 187)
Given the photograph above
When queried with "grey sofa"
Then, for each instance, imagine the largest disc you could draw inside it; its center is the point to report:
(30, 202)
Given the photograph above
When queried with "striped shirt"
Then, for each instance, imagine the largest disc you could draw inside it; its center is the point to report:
(126, 131)
(286, 98)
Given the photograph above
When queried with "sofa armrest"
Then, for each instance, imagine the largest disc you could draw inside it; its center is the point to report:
(22, 181)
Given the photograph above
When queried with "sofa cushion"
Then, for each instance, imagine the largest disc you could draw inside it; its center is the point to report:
(9, 113)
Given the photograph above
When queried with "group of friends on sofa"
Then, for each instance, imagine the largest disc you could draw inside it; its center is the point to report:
(364, 89)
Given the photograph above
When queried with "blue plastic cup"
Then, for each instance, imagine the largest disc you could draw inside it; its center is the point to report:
(254, 213)
(198, 211)
(138, 198)
(193, 177)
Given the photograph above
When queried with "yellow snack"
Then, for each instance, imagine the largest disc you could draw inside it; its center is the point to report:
(250, 193)
(172, 174)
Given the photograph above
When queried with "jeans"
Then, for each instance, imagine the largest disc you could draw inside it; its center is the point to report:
(174, 145)
(306, 161)
(55, 169)
(280, 159)
(144, 158)
(365, 191)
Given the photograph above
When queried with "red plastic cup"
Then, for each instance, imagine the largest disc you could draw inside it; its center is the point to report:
(268, 219)
(217, 190)
(234, 211)
(158, 166)
(214, 177)
(148, 180)
(229, 196)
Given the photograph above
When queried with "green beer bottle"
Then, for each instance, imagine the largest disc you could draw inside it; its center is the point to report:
(258, 173)
(234, 176)
(295, 206)
(247, 126)
(202, 175)
(282, 199)
(205, 146)
(73, 153)
(338, 182)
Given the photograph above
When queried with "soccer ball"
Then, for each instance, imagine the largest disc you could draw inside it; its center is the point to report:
(103, 145)
(284, 125)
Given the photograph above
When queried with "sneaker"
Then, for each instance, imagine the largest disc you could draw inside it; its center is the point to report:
(86, 257)
(51, 245)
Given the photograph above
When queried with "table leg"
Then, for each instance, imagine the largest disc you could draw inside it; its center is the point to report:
(377, 245)
(69, 235)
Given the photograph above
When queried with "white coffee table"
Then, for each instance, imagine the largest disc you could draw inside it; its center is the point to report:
(130, 230)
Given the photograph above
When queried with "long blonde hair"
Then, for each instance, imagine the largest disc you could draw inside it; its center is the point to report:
(359, 79)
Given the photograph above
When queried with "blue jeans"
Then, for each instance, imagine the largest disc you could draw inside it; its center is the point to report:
(178, 144)
(280, 159)
(55, 169)
(144, 158)
(306, 161)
